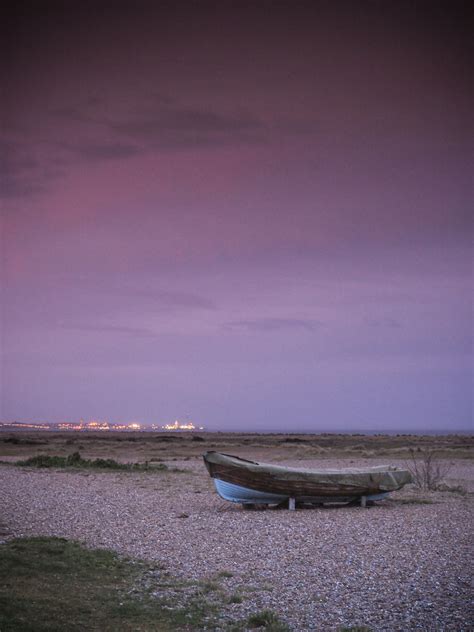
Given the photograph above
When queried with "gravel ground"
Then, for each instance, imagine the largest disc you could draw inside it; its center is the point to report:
(401, 565)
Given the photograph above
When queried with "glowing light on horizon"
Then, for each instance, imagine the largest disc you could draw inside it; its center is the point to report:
(176, 425)
(103, 426)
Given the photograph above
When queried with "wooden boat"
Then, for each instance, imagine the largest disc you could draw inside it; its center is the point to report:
(250, 483)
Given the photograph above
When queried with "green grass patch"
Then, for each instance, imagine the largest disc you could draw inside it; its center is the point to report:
(415, 501)
(56, 585)
(75, 460)
(268, 620)
(264, 620)
(53, 585)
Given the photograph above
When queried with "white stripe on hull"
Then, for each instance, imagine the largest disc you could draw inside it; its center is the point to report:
(238, 494)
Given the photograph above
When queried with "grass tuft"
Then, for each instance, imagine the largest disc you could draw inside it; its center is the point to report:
(414, 501)
(75, 460)
(266, 619)
(454, 489)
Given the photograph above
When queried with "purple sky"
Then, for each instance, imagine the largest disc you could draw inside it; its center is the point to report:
(253, 214)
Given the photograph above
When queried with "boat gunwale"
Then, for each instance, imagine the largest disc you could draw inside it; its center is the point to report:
(376, 469)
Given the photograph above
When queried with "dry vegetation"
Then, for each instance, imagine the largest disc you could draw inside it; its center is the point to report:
(141, 447)
(428, 469)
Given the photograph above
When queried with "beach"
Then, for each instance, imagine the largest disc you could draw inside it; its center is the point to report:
(402, 564)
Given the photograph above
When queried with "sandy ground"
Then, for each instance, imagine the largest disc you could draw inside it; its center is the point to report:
(405, 564)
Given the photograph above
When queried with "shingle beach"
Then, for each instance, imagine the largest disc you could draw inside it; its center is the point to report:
(405, 564)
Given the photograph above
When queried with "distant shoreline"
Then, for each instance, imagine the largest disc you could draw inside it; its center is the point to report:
(323, 432)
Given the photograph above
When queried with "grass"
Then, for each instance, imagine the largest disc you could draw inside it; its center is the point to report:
(414, 501)
(453, 489)
(23, 441)
(124, 446)
(51, 584)
(266, 619)
(56, 585)
(75, 460)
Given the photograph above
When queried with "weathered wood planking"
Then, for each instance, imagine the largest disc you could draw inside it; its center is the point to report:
(300, 484)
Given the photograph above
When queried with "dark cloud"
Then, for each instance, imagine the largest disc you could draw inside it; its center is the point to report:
(160, 300)
(175, 300)
(111, 329)
(159, 121)
(15, 187)
(387, 322)
(178, 128)
(98, 152)
(91, 131)
(14, 160)
(79, 111)
(24, 175)
(169, 127)
(21, 174)
(70, 113)
(87, 305)
(268, 325)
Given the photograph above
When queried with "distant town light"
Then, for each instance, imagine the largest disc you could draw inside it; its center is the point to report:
(178, 426)
(96, 425)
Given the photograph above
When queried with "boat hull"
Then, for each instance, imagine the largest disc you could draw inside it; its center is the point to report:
(245, 496)
(280, 483)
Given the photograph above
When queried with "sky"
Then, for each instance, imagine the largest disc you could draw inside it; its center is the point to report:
(253, 215)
